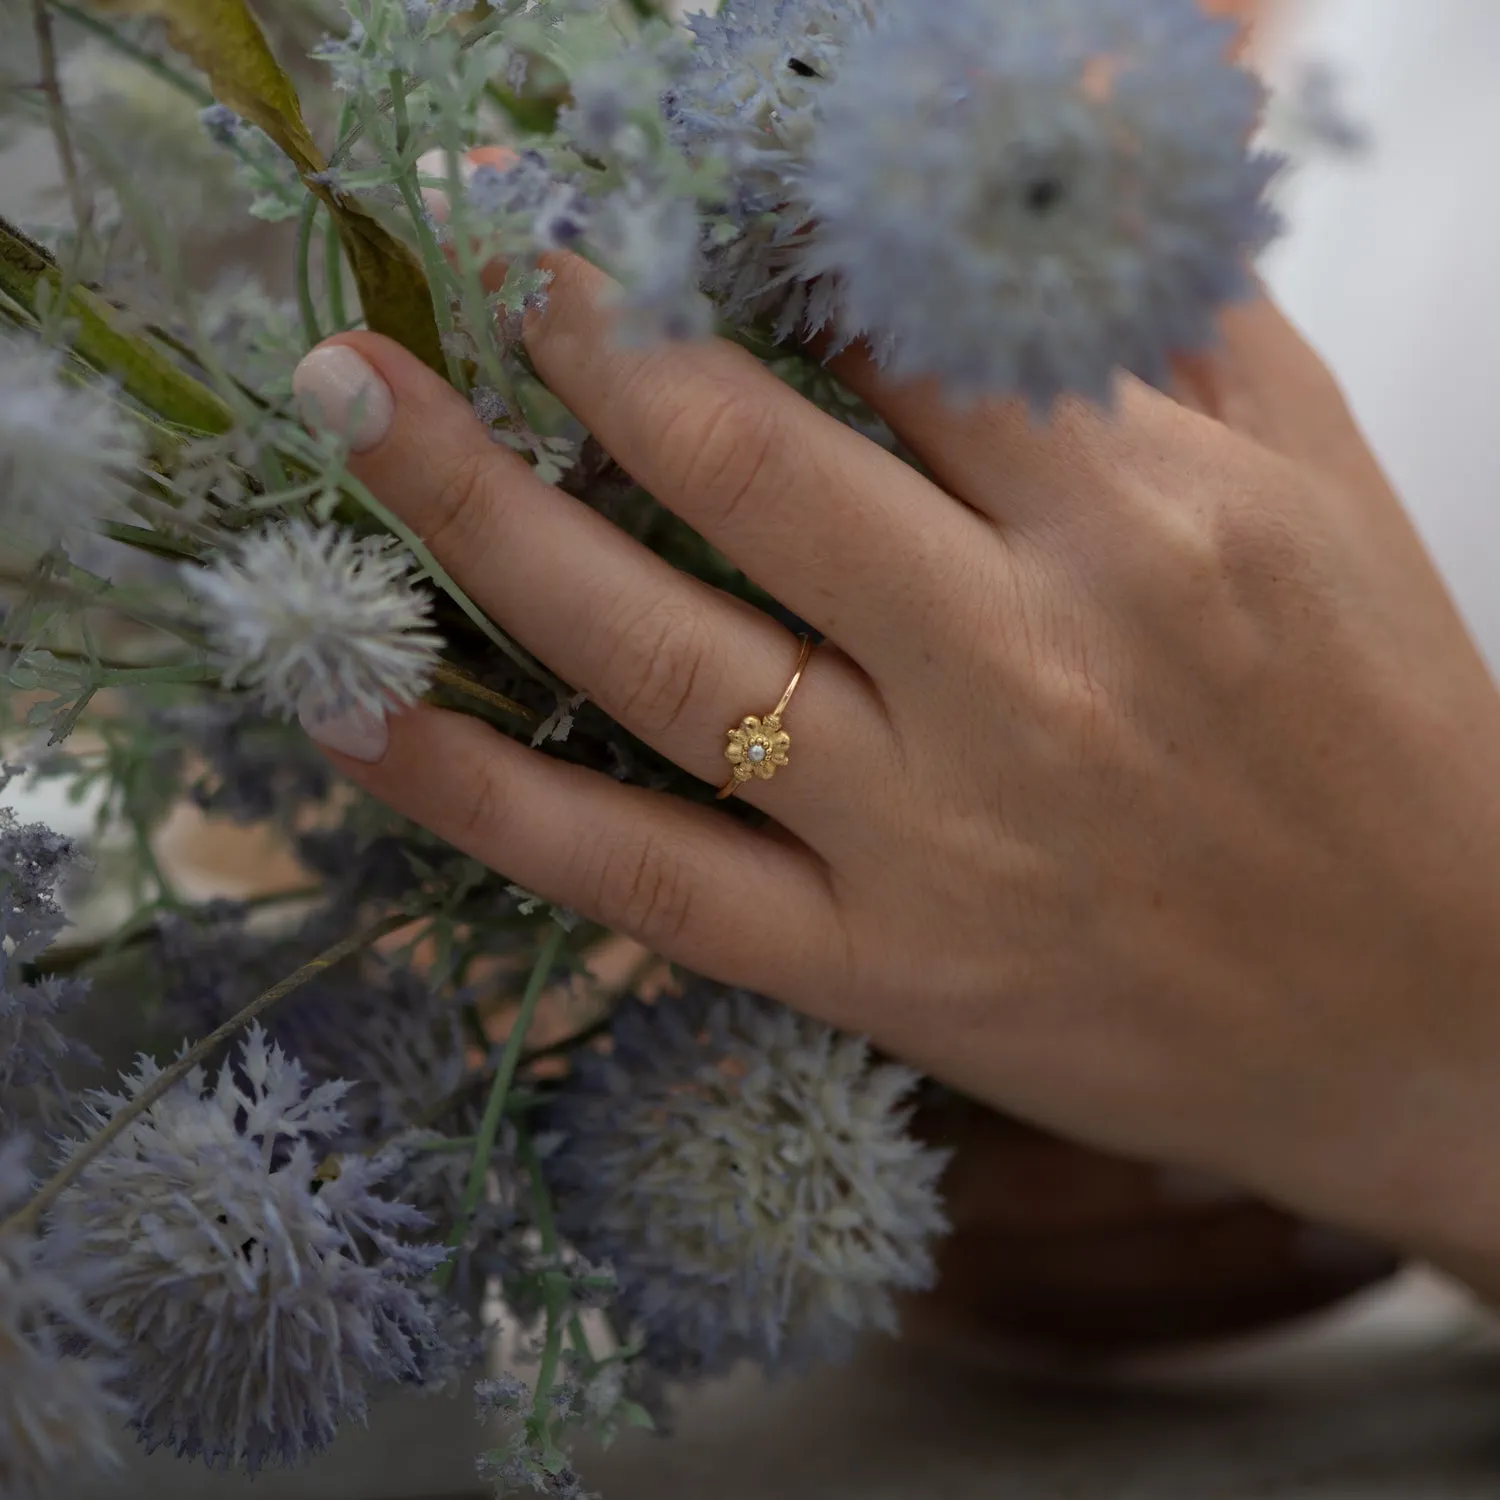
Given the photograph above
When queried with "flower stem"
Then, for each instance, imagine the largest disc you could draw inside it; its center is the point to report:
(433, 263)
(57, 117)
(333, 275)
(460, 682)
(494, 1109)
(552, 1342)
(25, 1218)
(312, 335)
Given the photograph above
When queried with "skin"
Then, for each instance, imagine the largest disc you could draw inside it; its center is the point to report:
(1144, 787)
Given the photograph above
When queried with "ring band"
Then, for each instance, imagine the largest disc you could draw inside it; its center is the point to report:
(758, 745)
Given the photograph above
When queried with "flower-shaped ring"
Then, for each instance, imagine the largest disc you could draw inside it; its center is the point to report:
(758, 744)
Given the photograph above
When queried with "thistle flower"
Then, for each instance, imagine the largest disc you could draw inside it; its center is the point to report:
(748, 1174)
(57, 1413)
(1022, 198)
(749, 102)
(278, 1289)
(650, 243)
(65, 450)
(319, 620)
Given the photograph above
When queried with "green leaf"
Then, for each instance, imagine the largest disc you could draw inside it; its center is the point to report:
(223, 38)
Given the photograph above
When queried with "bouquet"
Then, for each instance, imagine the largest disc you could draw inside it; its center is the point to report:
(376, 1104)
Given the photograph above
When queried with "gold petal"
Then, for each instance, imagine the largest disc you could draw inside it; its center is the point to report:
(734, 751)
(751, 723)
(765, 770)
(780, 741)
(777, 758)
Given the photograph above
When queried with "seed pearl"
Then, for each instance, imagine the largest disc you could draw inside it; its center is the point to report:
(757, 753)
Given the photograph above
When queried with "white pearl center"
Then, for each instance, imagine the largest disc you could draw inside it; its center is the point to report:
(757, 753)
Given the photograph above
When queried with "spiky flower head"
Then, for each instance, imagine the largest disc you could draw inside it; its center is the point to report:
(319, 620)
(260, 1289)
(749, 103)
(66, 450)
(1019, 199)
(748, 1174)
(57, 1412)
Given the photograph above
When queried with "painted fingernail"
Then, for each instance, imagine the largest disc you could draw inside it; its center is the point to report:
(356, 732)
(337, 391)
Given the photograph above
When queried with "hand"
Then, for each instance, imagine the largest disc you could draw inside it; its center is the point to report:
(1145, 786)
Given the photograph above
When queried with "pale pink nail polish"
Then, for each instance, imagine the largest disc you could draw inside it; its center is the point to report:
(356, 732)
(337, 391)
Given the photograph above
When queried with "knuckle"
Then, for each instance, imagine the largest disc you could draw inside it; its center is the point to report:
(653, 663)
(459, 499)
(643, 889)
(482, 811)
(727, 444)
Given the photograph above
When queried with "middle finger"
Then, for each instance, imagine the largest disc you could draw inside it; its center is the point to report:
(826, 521)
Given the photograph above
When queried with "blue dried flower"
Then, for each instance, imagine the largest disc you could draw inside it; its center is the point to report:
(57, 1413)
(748, 1174)
(319, 620)
(33, 861)
(66, 450)
(1020, 199)
(650, 243)
(749, 103)
(262, 1291)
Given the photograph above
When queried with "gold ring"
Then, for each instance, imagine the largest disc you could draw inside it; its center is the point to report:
(758, 745)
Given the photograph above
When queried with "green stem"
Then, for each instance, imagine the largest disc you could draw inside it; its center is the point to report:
(494, 1109)
(122, 44)
(26, 1217)
(333, 275)
(546, 1229)
(56, 588)
(143, 370)
(434, 264)
(312, 335)
(57, 118)
(69, 959)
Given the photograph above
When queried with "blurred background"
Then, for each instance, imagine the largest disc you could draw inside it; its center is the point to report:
(1391, 109)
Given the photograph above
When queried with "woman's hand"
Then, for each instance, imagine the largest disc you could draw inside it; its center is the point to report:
(1146, 786)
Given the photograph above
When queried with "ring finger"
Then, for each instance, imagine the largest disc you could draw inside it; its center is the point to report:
(672, 659)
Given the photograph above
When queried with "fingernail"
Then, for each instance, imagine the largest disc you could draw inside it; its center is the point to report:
(337, 391)
(356, 732)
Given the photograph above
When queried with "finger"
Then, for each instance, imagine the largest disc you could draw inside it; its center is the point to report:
(994, 455)
(819, 516)
(731, 902)
(672, 659)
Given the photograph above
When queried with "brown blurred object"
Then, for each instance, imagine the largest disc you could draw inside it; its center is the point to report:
(1058, 1248)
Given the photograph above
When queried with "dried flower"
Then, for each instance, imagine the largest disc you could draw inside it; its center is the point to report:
(319, 620)
(57, 1413)
(33, 861)
(1022, 198)
(749, 103)
(748, 1174)
(278, 1289)
(66, 450)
